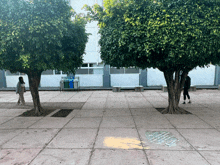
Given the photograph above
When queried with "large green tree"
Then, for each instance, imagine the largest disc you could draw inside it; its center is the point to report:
(39, 35)
(174, 36)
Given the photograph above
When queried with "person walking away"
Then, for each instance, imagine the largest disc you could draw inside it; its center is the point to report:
(186, 88)
(20, 90)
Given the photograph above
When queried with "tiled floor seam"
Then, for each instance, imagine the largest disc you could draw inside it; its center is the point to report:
(138, 134)
(93, 147)
(60, 129)
(194, 148)
(12, 137)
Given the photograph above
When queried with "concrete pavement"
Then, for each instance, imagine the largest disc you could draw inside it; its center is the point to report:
(107, 128)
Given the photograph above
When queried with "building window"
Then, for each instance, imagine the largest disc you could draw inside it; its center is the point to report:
(90, 68)
(131, 70)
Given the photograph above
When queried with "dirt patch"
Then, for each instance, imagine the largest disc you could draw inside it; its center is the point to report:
(31, 113)
(161, 109)
(63, 113)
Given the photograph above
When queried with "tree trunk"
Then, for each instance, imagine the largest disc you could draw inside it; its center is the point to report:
(34, 81)
(174, 87)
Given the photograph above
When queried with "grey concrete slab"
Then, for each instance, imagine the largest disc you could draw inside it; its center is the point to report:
(113, 94)
(20, 122)
(50, 122)
(119, 157)
(17, 156)
(117, 112)
(133, 94)
(31, 138)
(152, 121)
(8, 134)
(94, 105)
(74, 138)
(144, 111)
(84, 123)
(12, 112)
(116, 104)
(211, 156)
(109, 99)
(186, 121)
(212, 120)
(139, 104)
(118, 138)
(5, 119)
(62, 156)
(175, 158)
(91, 113)
(120, 121)
(181, 144)
(202, 139)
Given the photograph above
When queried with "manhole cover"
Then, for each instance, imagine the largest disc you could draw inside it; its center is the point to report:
(62, 113)
(162, 138)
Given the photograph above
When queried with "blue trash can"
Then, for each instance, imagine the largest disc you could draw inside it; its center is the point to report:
(71, 83)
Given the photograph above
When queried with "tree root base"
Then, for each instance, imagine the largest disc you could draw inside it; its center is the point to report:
(177, 110)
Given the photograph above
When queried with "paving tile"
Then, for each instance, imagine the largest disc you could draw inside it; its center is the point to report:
(120, 121)
(212, 120)
(5, 119)
(6, 135)
(119, 157)
(213, 157)
(74, 138)
(20, 122)
(17, 156)
(93, 105)
(62, 156)
(139, 104)
(181, 144)
(84, 123)
(50, 122)
(116, 104)
(91, 113)
(187, 121)
(12, 112)
(118, 138)
(202, 139)
(31, 138)
(175, 158)
(117, 112)
(144, 112)
(152, 121)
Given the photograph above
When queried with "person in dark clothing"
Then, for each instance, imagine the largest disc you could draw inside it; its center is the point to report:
(186, 88)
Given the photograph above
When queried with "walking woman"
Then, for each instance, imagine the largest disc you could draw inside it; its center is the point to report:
(186, 88)
(20, 90)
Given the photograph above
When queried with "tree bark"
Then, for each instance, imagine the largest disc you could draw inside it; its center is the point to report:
(34, 81)
(174, 87)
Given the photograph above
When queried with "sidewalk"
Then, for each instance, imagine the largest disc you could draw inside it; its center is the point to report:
(107, 128)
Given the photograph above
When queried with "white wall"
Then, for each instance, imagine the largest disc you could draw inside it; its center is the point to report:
(92, 54)
(155, 77)
(90, 80)
(199, 76)
(46, 80)
(11, 81)
(203, 76)
(124, 79)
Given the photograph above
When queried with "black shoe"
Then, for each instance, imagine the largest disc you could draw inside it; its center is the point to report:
(189, 102)
(184, 102)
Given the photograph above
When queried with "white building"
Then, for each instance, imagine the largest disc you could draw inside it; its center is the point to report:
(93, 73)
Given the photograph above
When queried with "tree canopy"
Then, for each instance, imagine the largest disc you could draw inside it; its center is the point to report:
(174, 36)
(39, 35)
